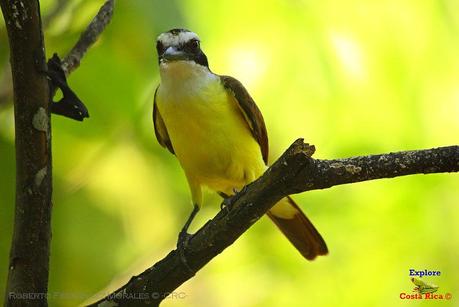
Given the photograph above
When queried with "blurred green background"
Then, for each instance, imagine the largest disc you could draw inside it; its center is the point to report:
(352, 77)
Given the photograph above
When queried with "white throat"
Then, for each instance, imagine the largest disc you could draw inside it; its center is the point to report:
(185, 76)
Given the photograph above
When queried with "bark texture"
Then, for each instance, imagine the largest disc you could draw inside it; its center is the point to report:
(29, 256)
(294, 172)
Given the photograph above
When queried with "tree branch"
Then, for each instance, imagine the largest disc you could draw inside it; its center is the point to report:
(29, 256)
(88, 37)
(73, 58)
(294, 172)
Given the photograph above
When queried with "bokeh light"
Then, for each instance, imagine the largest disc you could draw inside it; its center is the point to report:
(352, 77)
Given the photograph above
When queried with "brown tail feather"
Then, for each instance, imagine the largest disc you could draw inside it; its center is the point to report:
(298, 229)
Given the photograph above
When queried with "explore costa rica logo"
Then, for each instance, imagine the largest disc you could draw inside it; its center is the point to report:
(423, 287)
(424, 290)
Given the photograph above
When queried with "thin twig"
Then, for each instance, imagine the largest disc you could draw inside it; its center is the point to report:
(73, 58)
(88, 37)
(29, 256)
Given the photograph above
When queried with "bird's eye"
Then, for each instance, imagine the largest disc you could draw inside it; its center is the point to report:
(159, 47)
(193, 44)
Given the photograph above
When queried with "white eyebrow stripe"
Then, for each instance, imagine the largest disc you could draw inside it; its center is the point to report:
(169, 39)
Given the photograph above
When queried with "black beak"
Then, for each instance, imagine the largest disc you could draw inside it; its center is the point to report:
(172, 54)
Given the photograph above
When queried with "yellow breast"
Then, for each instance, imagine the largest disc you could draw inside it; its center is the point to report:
(208, 132)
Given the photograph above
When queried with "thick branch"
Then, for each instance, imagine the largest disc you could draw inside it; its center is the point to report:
(73, 58)
(29, 255)
(292, 173)
(88, 37)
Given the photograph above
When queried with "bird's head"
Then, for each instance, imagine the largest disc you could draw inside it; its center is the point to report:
(180, 45)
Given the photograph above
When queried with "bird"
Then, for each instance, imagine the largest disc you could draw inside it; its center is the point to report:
(216, 131)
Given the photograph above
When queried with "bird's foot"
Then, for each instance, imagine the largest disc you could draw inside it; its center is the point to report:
(182, 244)
(227, 204)
(229, 201)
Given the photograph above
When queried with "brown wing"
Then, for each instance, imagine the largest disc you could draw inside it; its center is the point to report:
(160, 128)
(250, 111)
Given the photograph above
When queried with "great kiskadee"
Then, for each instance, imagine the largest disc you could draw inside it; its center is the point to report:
(216, 131)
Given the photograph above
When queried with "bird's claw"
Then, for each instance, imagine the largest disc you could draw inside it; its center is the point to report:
(228, 202)
(183, 239)
(182, 244)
